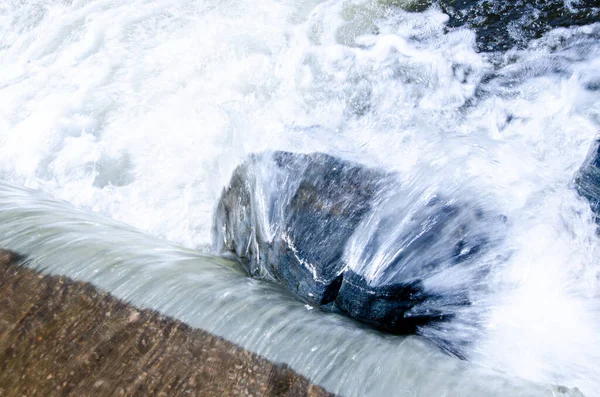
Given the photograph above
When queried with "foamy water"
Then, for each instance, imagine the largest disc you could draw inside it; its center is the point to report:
(140, 110)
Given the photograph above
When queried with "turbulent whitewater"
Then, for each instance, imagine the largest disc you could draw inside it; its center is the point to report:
(141, 110)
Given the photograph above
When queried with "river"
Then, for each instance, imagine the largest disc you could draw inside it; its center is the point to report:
(127, 118)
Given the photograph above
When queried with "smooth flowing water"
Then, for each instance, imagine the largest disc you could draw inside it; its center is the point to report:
(140, 110)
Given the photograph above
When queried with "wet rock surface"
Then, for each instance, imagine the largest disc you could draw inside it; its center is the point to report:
(348, 238)
(504, 24)
(291, 215)
(587, 181)
(59, 337)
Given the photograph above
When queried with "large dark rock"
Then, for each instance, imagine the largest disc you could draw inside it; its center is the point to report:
(350, 238)
(289, 216)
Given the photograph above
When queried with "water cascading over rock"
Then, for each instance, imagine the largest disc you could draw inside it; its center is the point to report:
(350, 238)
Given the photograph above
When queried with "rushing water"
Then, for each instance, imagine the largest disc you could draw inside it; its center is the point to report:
(140, 110)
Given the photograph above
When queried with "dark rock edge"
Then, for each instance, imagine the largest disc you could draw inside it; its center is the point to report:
(60, 337)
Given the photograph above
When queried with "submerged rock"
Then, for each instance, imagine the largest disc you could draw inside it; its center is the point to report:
(504, 24)
(350, 238)
(60, 337)
(587, 180)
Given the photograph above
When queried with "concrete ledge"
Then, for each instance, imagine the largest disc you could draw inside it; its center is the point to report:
(60, 337)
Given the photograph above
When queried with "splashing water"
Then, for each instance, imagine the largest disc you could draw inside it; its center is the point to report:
(141, 111)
